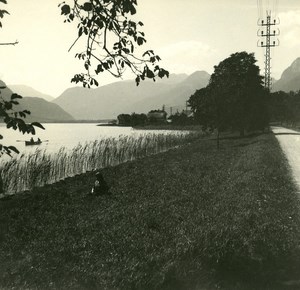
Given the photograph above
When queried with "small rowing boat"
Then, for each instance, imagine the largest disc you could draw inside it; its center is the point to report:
(29, 143)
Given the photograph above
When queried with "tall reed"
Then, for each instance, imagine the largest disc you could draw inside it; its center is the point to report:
(41, 167)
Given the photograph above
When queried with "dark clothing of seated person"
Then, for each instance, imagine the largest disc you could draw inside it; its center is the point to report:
(100, 186)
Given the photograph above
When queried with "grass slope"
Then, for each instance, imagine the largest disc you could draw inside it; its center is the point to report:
(190, 218)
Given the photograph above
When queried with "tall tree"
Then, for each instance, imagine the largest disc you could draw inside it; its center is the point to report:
(237, 80)
(111, 38)
(235, 97)
(206, 108)
(209, 109)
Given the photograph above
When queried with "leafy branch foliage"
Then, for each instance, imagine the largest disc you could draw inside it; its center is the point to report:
(111, 40)
(13, 118)
(2, 11)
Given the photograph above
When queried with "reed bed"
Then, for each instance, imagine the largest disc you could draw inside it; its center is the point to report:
(41, 167)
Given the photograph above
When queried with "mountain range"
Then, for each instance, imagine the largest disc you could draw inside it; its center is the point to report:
(41, 110)
(125, 97)
(107, 102)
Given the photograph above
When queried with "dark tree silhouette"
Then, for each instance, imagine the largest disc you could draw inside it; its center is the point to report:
(138, 119)
(124, 119)
(181, 119)
(133, 119)
(204, 106)
(111, 40)
(285, 107)
(210, 110)
(235, 97)
(237, 80)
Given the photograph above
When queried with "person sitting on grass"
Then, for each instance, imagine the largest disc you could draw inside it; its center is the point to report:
(100, 186)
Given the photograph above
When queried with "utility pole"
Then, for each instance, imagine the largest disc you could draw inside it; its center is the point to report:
(265, 33)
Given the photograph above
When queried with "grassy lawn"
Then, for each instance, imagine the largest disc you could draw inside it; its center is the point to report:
(191, 218)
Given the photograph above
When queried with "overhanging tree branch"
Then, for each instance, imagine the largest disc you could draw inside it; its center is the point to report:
(9, 43)
(111, 40)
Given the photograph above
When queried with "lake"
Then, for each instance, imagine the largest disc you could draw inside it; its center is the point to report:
(66, 135)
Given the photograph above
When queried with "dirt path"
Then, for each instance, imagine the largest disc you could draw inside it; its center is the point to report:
(289, 141)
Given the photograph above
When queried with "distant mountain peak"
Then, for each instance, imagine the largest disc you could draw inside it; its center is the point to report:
(27, 91)
(198, 76)
(296, 63)
(200, 73)
(290, 78)
(293, 69)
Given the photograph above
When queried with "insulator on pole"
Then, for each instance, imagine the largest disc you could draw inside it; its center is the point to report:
(268, 42)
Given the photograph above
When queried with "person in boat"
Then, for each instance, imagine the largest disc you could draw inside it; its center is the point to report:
(31, 140)
(39, 140)
(100, 186)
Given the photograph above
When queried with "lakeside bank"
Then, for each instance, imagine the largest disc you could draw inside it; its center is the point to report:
(190, 218)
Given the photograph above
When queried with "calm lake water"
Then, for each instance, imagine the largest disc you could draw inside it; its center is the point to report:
(66, 135)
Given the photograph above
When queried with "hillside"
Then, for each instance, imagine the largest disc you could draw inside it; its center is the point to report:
(41, 110)
(290, 78)
(125, 97)
(6, 92)
(27, 91)
(175, 96)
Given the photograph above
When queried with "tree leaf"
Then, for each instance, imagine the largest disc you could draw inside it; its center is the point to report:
(79, 34)
(150, 73)
(87, 6)
(15, 96)
(65, 9)
(140, 40)
(36, 124)
(13, 148)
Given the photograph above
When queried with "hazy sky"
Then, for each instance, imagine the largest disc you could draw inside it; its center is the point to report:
(189, 35)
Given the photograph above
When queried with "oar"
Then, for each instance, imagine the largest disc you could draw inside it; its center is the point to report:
(34, 141)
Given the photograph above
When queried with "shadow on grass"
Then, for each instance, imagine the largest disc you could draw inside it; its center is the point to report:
(238, 137)
(278, 134)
